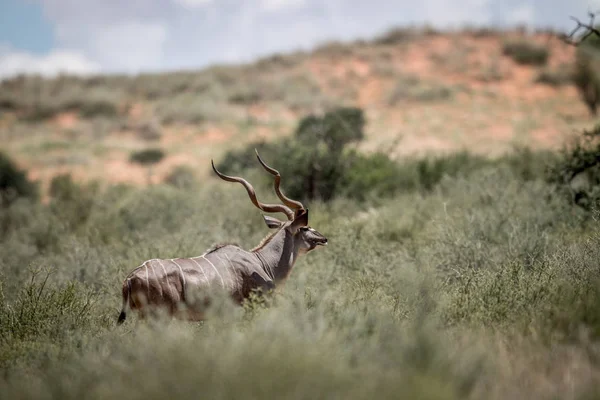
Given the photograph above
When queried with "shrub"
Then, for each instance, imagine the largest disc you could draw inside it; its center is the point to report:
(396, 36)
(316, 163)
(14, 182)
(526, 53)
(182, 177)
(147, 130)
(577, 171)
(429, 171)
(413, 88)
(193, 108)
(528, 164)
(245, 96)
(37, 99)
(370, 176)
(96, 106)
(555, 77)
(335, 129)
(147, 157)
(587, 72)
(71, 202)
(42, 316)
(42, 310)
(313, 160)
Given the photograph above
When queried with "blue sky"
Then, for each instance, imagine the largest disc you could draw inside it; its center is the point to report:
(24, 26)
(130, 36)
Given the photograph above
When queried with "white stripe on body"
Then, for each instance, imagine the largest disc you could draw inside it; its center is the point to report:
(142, 265)
(147, 281)
(167, 278)
(228, 271)
(215, 268)
(158, 281)
(201, 269)
(182, 276)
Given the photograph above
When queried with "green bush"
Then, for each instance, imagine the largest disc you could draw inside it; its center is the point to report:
(71, 202)
(336, 129)
(42, 315)
(37, 99)
(147, 156)
(555, 77)
(370, 176)
(431, 170)
(396, 36)
(182, 177)
(316, 162)
(528, 164)
(577, 171)
(415, 89)
(43, 310)
(96, 106)
(587, 72)
(14, 182)
(526, 53)
(236, 161)
(313, 160)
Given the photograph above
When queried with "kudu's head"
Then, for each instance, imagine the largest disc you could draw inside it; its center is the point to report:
(305, 237)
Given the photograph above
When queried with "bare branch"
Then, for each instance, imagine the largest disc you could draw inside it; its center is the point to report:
(588, 30)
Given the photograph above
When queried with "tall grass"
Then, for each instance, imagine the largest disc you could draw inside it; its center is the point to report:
(484, 286)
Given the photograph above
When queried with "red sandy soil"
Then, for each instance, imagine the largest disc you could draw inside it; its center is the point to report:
(485, 116)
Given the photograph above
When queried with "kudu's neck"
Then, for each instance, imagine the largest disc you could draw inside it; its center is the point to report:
(278, 255)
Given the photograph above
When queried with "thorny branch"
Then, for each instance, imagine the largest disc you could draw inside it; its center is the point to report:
(588, 30)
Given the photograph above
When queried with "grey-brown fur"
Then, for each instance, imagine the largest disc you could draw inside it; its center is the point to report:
(171, 283)
(217, 246)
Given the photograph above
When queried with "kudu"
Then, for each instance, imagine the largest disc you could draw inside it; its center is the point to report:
(166, 283)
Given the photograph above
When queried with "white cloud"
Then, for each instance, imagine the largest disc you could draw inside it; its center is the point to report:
(56, 62)
(129, 46)
(137, 35)
(278, 5)
(192, 3)
(523, 14)
(443, 13)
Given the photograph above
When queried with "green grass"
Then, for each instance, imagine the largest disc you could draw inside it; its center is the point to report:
(484, 286)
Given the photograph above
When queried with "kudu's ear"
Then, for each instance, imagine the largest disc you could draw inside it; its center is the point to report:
(271, 222)
(300, 220)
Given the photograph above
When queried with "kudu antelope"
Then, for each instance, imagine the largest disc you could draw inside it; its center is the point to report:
(166, 283)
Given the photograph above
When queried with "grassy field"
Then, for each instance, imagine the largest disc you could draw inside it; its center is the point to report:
(480, 284)
(487, 286)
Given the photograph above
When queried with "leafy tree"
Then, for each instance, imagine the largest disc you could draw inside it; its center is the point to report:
(578, 170)
(148, 158)
(587, 72)
(313, 160)
(14, 182)
(587, 61)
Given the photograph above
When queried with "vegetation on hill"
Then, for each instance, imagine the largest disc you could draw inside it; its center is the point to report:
(587, 72)
(526, 53)
(14, 182)
(415, 87)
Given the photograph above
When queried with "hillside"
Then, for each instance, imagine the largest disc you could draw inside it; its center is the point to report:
(423, 92)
